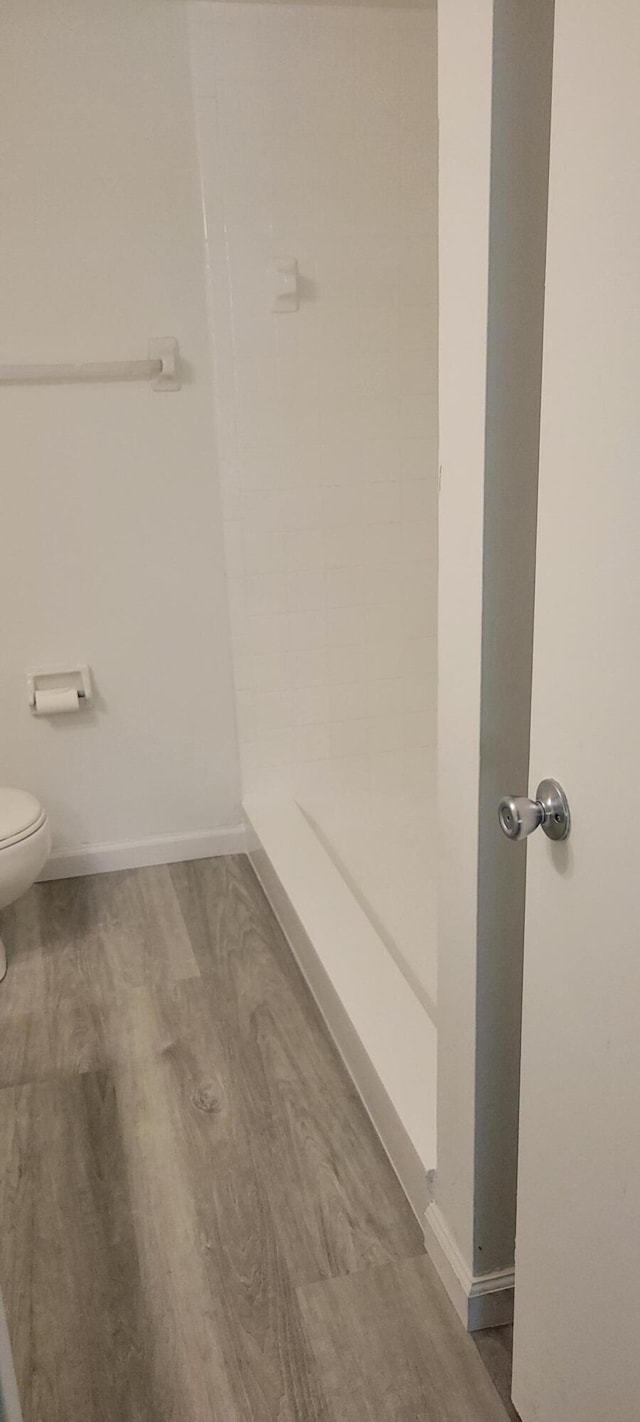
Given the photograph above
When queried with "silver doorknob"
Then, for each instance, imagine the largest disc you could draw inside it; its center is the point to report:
(520, 816)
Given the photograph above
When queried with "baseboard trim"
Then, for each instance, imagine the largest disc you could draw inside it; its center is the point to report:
(10, 1409)
(137, 853)
(481, 1300)
(357, 986)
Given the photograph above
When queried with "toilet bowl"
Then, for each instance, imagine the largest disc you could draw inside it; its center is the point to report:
(25, 844)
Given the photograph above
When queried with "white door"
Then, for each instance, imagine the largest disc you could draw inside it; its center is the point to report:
(577, 1334)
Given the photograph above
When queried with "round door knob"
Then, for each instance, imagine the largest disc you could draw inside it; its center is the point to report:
(519, 816)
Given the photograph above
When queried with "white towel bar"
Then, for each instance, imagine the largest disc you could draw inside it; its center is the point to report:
(161, 366)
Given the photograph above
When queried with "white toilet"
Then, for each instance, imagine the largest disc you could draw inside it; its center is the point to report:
(25, 844)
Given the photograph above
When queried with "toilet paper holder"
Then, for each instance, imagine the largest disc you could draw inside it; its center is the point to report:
(48, 683)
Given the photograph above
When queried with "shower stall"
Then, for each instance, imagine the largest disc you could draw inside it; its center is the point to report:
(317, 130)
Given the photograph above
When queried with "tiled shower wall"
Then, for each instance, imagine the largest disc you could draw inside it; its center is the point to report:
(318, 140)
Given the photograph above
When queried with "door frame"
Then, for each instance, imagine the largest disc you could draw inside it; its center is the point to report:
(494, 76)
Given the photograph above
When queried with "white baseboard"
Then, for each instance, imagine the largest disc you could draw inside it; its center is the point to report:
(136, 853)
(10, 1410)
(382, 1032)
(481, 1300)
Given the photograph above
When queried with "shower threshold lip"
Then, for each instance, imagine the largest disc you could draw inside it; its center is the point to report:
(384, 1034)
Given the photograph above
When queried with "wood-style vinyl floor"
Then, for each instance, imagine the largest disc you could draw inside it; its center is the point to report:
(197, 1221)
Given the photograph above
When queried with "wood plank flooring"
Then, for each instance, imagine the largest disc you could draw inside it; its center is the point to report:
(197, 1221)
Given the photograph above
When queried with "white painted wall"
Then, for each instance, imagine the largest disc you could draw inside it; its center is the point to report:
(319, 139)
(111, 526)
(494, 99)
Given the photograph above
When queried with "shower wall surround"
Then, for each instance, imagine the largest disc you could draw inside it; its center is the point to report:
(318, 140)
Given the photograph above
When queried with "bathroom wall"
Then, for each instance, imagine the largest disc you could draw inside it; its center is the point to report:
(318, 136)
(112, 544)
